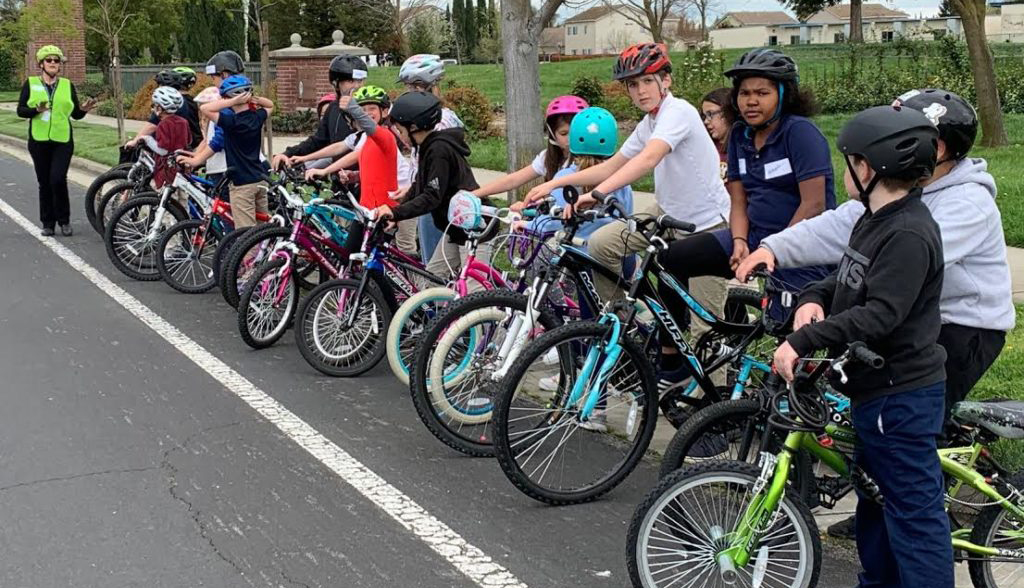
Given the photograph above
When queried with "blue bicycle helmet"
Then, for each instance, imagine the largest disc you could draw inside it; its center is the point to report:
(593, 131)
(234, 85)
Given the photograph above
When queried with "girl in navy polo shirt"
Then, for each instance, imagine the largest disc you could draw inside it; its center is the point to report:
(784, 171)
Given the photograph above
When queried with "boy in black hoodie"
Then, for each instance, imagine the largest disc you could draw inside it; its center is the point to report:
(886, 294)
(443, 170)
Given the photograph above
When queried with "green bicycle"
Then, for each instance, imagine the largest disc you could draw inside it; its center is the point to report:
(728, 523)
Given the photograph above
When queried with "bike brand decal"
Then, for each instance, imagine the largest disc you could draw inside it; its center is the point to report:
(589, 283)
(400, 281)
(675, 332)
(694, 306)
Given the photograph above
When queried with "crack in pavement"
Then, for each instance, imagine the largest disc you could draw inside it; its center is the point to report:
(78, 476)
(291, 580)
(194, 513)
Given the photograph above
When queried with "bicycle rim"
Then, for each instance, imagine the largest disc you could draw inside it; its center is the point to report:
(1004, 533)
(131, 239)
(690, 524)
(333, 341)
(271, 304)
(188, 257)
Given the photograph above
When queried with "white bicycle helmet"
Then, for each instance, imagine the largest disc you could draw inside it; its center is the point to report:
(168, 99)
(423, 68)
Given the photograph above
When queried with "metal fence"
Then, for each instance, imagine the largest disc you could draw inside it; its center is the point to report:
(134, 77)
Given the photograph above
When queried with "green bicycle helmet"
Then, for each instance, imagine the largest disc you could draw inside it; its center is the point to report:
(593, 131)
(372, 95)
(188, 76)
(48, 50)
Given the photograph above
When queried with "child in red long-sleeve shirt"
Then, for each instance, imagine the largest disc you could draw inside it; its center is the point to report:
(172, 133)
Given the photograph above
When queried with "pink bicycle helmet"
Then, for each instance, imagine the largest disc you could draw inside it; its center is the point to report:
(566, 105)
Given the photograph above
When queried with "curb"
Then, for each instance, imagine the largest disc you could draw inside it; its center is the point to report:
(77, 163)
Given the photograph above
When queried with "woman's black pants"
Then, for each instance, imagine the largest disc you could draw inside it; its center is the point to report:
(51, 161)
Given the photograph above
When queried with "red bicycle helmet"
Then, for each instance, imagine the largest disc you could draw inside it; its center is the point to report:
(640, 59)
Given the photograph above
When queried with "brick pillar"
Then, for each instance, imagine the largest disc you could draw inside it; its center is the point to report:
(308, 74)
(73, 47)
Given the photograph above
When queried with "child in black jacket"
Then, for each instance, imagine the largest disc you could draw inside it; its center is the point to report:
(886, 294)
(443, 170)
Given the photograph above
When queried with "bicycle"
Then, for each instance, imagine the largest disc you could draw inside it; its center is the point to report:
(602, 371)
(136, 168)
(754, 527)
(270, 298)
(342, 319)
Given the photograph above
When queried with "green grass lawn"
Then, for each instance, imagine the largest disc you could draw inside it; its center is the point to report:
(95, 142)
(9, 95)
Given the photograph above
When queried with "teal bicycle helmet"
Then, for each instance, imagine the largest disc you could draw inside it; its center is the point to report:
(593, 131)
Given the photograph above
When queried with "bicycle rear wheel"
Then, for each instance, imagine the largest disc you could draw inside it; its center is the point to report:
(686, 521)
(224, 249)
(94, 193)
(550, 444)
(185, 256)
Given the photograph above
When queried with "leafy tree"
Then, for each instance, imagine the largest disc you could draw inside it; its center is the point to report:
(483, 20)
(212, 27)
(805, 8)
(946, 9)
(972, 16)
(422, 36)
(319, 20)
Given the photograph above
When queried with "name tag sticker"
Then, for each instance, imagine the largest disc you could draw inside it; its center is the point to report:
(743, 166)
(46, 116)
(776, 169)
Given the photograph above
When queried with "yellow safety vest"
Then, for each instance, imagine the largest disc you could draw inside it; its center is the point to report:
(55, 123)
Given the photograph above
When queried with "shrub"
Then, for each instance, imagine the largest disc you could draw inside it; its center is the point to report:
(106, 108)
(617, 101)
(299, 122)
(90, 89)
(10, 65)
(473, 108)
(589, 88)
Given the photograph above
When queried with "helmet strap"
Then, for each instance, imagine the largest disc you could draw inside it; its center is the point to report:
(864, 192)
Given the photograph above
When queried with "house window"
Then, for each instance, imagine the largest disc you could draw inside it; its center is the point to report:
(584, 29)
(794, 39)
(773, 41)
(839, 38)
(574, 52)
(887, 36)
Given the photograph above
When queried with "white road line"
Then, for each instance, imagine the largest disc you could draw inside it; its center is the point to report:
(466, 558)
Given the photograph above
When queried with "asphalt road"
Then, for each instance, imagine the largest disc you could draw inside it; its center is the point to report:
(123, 463)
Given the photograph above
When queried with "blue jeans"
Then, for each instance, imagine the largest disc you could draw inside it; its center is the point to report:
(429, 236)
(906, 543)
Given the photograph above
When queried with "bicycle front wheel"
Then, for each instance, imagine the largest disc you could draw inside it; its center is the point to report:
(998, 528)
(133, 233)
(268, 304)
(185, 256)
(338, 335)
(408, 324)
(565, 433)
(688, 520)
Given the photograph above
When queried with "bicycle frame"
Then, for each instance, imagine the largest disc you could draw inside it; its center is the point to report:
(957, 462)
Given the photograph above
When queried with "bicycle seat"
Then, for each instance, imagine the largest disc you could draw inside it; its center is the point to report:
(1003, 418)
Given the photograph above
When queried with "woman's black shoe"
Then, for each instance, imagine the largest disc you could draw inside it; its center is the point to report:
(48, 231)
(66, 230)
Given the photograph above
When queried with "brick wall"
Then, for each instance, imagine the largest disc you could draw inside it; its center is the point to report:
(73, 47)
(306, 73)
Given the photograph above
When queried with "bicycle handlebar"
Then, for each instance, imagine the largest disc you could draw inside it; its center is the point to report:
(859, 351)
(667, 222)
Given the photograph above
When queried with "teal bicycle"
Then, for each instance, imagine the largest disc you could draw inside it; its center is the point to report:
(730, 523)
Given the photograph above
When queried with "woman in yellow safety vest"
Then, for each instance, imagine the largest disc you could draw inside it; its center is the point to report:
(50, 102)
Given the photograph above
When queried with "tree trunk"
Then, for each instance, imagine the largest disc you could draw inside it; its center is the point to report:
(115, 60)
(265, 73)
(522, 83)
(856, 25)
(972, 17)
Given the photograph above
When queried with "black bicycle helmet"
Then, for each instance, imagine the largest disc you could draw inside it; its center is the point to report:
(347, 67)
(764, 63)
(895, 142)
(417, 111)
(169, 78)
(225, 61)
(955, 117)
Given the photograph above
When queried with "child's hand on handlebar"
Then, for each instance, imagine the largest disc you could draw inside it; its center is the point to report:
(537, 192)
(785, 360)
(315, 173)
(518, 206)
(585, 201)
(806, 314)
(384, 211)
(740, 251)
(761, 256)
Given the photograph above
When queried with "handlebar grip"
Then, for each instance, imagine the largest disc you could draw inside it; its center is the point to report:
(668, 222)
(861, 353)
(529, 213)
(599, 196)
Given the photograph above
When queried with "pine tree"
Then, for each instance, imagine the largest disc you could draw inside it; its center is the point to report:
(492, 17)
(469, 30)
(483, 23)
(459, 24)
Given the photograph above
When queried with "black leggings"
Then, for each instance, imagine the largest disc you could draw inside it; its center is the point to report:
(969, 353)
(692, 257)
(51, 160)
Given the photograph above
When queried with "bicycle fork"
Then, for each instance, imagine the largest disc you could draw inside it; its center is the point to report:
(601, 358)
(523, 325)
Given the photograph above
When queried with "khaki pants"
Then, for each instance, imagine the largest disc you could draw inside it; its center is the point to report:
(448, 257)
(612, 242)
(246, 201)
(405, 237)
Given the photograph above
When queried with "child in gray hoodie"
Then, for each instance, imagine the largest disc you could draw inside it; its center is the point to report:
(976, 302)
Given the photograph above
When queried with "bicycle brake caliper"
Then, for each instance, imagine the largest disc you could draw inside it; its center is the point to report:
(767, 462)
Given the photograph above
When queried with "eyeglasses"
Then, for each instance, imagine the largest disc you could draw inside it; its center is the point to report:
(706, 116)
(52, 60)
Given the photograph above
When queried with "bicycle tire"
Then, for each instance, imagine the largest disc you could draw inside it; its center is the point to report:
(720, 421)
(411, 311)
(118, 233)
(373, 306)
(231, 290)
(246, 312)
(508, 392)
(94, 193)
(189, 232)
(985, 526)
(112, 198)
(666, 494)
(475, 445)
(224, 245)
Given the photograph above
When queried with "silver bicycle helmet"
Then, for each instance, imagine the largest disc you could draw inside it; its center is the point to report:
(168, 99)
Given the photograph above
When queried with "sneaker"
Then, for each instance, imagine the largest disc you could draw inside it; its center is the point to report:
(843, 530)
(598, 422)
(551, 357)
(48, 232)
(670, 380)
(548, 384)
(66, 230)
